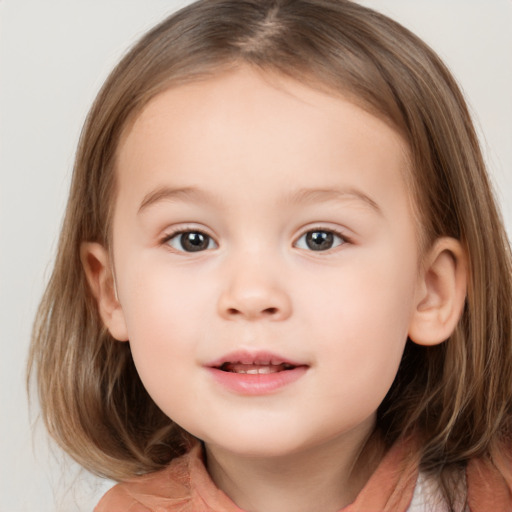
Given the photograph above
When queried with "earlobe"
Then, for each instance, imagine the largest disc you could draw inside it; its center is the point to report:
(441, 293)
(98, 270)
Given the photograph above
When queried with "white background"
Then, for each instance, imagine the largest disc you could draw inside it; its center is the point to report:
(54, 55)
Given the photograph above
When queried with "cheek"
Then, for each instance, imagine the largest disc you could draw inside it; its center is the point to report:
(366, 295)
(163, 314)
(161, 297)
(163, 347)
(362, 322)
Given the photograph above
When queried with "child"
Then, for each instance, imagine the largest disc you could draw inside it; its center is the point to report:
(282, 282)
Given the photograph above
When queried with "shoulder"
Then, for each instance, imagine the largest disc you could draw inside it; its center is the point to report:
(490, 482)
(119, 499)
(428, 495)
(169, 486)
(487, 485)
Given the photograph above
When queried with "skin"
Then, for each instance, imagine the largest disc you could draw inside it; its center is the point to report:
(253, 151)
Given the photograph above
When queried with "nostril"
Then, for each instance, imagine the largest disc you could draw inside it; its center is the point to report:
(267, 311)
(253, 304)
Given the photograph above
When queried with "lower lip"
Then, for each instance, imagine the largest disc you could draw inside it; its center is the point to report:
(257, 384)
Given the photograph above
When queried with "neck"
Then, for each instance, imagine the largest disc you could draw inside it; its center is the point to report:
(325, 478)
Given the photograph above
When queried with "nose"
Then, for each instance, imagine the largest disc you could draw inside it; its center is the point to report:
(253, 291)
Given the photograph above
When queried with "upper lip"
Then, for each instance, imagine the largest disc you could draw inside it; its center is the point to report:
(254, 358)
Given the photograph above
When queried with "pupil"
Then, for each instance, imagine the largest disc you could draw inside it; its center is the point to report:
(193, 242)
(319, 240)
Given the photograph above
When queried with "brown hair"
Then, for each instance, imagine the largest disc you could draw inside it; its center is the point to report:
(456, 396)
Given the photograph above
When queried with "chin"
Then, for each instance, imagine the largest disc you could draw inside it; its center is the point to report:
(264, 443)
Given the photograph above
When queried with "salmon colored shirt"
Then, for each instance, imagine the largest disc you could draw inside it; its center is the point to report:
(185, 486)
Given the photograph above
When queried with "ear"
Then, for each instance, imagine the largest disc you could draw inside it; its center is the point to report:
(441, 293)
(100, 276)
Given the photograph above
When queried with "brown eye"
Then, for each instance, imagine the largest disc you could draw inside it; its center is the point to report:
(191, 241)
(319, 240)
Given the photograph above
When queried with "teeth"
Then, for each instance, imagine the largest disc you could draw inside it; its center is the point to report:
(255, 368)
(256, 371)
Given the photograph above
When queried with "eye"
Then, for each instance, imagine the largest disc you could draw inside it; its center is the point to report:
(320, 240)
(190, 241)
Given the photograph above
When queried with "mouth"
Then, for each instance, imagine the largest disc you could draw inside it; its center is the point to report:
(256, 368)
(256, 373)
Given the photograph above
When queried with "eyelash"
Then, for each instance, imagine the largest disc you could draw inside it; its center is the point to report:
(337, 233)
(169, 236)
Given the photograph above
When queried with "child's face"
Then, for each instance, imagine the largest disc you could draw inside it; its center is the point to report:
(301, 249)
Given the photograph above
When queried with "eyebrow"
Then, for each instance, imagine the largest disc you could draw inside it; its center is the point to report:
(170, 194)
(307, 195)
(303, 195)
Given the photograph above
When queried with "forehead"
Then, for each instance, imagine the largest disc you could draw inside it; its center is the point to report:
(258, 132)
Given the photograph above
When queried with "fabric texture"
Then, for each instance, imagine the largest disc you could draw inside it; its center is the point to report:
(185, 486)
